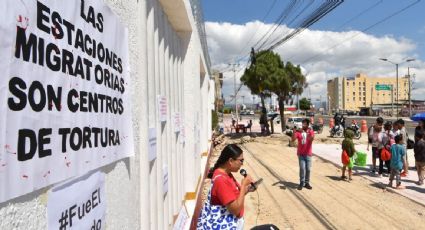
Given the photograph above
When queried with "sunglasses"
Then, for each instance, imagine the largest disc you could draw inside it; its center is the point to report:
(241, 160)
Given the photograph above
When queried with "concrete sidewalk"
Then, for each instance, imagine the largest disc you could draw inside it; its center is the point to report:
(332, 153)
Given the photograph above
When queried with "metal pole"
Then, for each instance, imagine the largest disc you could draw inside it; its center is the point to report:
(392, 100)
(234, 86)
(410, 100)
(397, 101)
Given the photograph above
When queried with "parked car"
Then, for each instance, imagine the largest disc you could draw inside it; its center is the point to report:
(310, 114)
(272, 114)
(244, 112)
(294, 122)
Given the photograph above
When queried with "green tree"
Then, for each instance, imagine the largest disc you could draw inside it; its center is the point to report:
(255, 77)
(264, 66)
(305, 104)
(268, 74)
(279, 83)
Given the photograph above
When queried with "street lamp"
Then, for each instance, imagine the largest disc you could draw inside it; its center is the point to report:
(396, 66)
(410, 91)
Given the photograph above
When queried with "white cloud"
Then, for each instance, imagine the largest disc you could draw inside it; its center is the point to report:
(317, 52)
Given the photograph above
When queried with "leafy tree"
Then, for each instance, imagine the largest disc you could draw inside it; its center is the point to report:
(279, 84)
(305, 104)
(264, 66)
(268, 74)
(255, 77)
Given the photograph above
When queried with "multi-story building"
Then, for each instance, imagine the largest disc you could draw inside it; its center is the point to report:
(218, 99)
(361, 91)
(335, 94)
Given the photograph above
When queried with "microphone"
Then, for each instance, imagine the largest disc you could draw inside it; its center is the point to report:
(244, 174)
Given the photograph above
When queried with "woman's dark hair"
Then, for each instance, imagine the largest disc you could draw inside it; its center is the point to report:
(388, 125)
(380, 120)
(230, 151)
(400, 121)
(398, 139)
(422, 124)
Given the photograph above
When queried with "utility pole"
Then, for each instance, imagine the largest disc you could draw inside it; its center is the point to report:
(396, 66)
(398, 103)
(234, 87)
(410, 90)
(392, 100)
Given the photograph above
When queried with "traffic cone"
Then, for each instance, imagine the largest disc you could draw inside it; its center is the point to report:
(363, 129)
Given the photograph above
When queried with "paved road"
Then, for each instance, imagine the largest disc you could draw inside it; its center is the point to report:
(332, 204)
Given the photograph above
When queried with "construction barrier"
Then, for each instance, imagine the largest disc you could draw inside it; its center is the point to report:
(363, 129)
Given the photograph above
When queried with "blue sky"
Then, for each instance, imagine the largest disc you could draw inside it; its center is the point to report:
(409, 23)
(230, 24)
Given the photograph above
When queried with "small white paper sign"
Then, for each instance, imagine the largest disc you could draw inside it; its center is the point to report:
(78, 204)
(165, 179)
(162, 108)
(181, 219)
(152, 144)
(176, 122)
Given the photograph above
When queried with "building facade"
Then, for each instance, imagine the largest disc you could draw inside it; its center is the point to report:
(335, 94)
(218, 99)
(363, 91)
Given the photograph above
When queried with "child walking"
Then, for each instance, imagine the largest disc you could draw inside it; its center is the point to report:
(348, 146)
(397, 155)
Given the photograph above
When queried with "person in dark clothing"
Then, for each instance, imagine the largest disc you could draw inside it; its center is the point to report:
(419, 150)
(421, 126)
(342, 121)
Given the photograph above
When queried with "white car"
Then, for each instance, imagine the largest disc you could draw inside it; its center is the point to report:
(296, 122)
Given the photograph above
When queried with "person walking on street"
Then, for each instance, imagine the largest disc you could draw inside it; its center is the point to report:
(403, 133)
(263, 122)
(419, 150)
(348, 147)
(305, 138)
(397, 153)
(375, 135)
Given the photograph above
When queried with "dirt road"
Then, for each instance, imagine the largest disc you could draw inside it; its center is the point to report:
(331, 204)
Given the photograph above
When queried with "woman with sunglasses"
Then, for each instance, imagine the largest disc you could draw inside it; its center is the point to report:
(224, 206)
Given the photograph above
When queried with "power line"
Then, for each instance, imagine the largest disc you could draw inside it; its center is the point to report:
(263, 21)
(278, 22)
(364, 30)
(290, 23)
(349, 20)
(319, 13)
(360, 14)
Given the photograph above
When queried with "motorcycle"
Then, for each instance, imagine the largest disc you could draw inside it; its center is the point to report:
(337, 131)
(356, 130)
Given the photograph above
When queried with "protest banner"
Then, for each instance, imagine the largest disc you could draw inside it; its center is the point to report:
(78, 204)
(64, 86)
